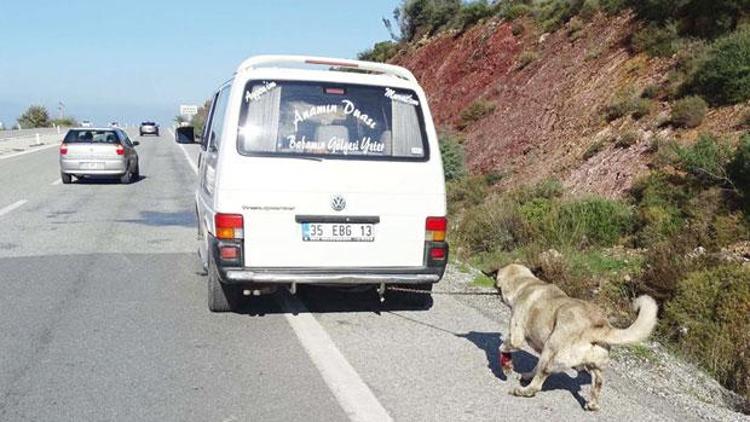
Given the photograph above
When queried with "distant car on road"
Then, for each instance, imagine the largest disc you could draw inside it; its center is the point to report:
(86, 123)
(149, 128)
(98, 152)
(114, 124)
(2, 126)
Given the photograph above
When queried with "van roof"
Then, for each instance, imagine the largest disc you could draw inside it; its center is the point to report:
(300, 62)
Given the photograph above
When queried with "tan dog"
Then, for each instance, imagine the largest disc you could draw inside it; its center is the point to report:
(566, 332)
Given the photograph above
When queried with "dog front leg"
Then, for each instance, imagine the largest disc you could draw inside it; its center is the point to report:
(515, 342)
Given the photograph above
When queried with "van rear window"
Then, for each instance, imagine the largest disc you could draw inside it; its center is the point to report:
(91, 137)
(331, 121)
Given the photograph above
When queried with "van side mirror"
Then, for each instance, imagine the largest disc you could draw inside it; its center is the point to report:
(185, 135)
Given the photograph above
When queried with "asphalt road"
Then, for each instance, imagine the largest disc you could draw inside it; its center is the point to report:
(103, 317)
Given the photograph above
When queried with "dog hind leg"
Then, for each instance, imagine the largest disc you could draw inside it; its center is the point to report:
(597, 380)
(541, 372)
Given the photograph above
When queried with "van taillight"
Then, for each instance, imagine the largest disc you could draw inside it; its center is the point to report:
(229, 226)
(63, 149)
(120, 150)
(435, 228)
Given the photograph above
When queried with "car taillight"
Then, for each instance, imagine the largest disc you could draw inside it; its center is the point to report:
(120, 150)
(63, 149)
(229, 226)
(435, 228)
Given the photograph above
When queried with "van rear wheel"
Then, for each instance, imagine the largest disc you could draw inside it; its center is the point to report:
(221, 297)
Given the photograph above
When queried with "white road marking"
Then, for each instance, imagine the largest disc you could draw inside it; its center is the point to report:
(29, 151)
(354, 396)
(187, 156)
(56, 182)
(11, 207)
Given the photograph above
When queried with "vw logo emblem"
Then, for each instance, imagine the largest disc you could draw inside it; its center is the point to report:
(338, 203)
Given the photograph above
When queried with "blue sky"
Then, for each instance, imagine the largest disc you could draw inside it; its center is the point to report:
(134, 60)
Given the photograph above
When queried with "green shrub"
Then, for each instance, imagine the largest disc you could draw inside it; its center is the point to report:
(697, 17)
(711, 310)
(517, 29)
(627, 139)
(465, 192)
(380, 52)
(452, 153)
(706, 160)
(627, 103)
(526, 58)
(659, 200)
(471, 13)
(651, 91)
(739, 170)
(589, 9)
(689, 112)
(420, 17)
(575, 28)
(745, 119)
(515, 11)
(656, 41)
(553, 14)
(588, 222)
(493, 225)
(476, 111)
(593, 149)
(723, 76)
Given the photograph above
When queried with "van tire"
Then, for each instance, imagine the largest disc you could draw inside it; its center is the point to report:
(416, 300)
(221, 297)
(66, 178)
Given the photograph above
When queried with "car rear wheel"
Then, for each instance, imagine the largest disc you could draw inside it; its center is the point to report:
(221, 297)
(66, 178)
(127, 178)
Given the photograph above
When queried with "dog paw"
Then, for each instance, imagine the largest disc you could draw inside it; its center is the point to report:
(525, 376)
(523, 392)
(593, 407)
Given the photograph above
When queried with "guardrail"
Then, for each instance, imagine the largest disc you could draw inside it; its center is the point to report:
(6, 135)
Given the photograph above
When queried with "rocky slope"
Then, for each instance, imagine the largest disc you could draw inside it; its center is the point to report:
(549, 111)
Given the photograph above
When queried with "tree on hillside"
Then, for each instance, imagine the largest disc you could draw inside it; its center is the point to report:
(420, 17)
(199, 120)
(34, 116)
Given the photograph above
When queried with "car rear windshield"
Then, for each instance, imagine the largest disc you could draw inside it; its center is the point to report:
(285, 118)
(91, 137)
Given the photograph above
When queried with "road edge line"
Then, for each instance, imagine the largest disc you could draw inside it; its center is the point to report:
(353, 395)
(34, 149)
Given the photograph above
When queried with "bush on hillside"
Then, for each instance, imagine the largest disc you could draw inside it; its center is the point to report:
(722, 77)
(697, 17)
(514, 10)
(739, 170)
(471, 13)
(588, 222)
(476, 111)
(709, 319)
(380, 52)
(452, 153)
(656, 41)
(706, 160)
(526, 58)
(689, 112)
(425, 17)
(466, 192)
(627, 103)
(493, 225)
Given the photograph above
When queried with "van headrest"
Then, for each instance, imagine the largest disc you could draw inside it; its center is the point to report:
(328, 132)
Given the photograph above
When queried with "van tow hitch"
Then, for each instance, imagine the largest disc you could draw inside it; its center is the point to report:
(381, 292)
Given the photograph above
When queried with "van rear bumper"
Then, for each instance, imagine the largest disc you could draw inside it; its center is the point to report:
(231, 273)
(328, 276)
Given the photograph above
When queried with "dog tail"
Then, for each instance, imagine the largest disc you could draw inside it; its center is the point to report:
(640, 329)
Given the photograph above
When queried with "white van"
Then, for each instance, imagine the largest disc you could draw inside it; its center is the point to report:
(319, 171)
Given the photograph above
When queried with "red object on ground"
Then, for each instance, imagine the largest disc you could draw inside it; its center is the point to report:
(505, 360)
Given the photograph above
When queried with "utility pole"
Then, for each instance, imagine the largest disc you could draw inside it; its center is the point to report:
(61, 107)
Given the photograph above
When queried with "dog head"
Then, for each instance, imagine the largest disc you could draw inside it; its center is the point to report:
(507, 280)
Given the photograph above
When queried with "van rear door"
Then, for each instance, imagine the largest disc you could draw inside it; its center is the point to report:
(333, 176)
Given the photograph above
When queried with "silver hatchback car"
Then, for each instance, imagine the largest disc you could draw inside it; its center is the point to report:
(98, 152)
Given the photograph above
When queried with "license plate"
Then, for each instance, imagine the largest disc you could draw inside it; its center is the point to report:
(92, 165)
(338, 232)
